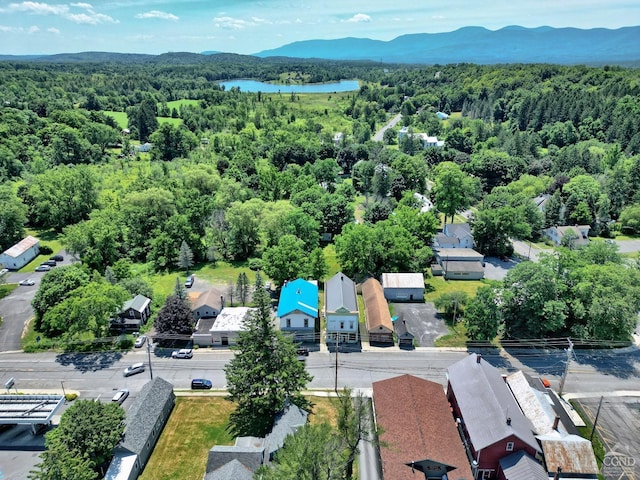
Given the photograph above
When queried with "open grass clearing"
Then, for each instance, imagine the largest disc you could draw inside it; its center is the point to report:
(436, 286)
(197, 424)
(48, 238)
(6, 289)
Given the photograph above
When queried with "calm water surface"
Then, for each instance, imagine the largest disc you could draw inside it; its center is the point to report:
(256, 86)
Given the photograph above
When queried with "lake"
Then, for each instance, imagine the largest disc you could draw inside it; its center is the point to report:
(256, 86)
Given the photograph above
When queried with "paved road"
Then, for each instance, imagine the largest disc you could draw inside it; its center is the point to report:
(628, 246)
(379, 136)
(16, 310)
(526, 250)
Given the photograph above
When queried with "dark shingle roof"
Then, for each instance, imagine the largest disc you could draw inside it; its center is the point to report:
(340, 292)
(233, 470)
(143, 415)
(288, 420)
(401, 329)
(416, 425)
(139, 303)
(486, 403)
(521, 466)
(220, 455)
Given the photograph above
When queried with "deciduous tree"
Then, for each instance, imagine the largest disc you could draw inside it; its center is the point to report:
(285, 261)
(175, 317)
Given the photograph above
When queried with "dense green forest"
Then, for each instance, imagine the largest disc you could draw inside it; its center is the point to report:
(260, 177)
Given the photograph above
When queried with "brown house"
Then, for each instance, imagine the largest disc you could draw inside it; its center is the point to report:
(376, 311)
(419, 436)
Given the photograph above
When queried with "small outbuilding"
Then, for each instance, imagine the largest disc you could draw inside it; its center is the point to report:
(20, 254)
(376, 311)
(404, 336)
(403, 287)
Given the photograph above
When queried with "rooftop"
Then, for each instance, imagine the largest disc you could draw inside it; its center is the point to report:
(139, 303)
(340, 293)
(231, 319)
(403, 280)
(21, 247)
(300, 295)
(376, 307)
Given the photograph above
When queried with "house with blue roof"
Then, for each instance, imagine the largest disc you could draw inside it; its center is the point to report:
(298, 309)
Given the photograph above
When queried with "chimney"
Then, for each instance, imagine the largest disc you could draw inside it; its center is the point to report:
(555, 422)
(478, 358)
(508, 420)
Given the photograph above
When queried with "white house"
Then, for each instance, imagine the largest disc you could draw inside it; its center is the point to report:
(21, 253)
(455, 235)
(341, 309)
(208, 304)
(298, 309)
(577, 234)
(228, 324)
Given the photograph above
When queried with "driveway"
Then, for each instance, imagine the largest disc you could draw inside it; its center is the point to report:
(496, 269)
(628, 246)
(16, 307)
(422, 321)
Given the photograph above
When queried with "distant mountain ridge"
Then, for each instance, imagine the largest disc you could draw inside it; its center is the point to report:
(513, 44)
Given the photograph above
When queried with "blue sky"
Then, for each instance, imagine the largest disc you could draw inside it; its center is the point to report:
(248, 26)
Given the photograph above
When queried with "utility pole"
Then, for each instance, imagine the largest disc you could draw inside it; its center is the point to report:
(149, 356)
(335, 385)
(566, 367)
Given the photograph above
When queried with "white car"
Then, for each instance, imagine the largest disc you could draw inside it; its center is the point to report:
(27, 282)
(133, 369)
(182, 353)
(3, 271)
(120, 396)
(140, 341)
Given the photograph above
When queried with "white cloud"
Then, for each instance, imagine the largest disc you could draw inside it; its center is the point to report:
(90, 18)
(33, 29)
(86, 6)
(158, 14)
(359, 18)
(8, 29)
(38, 8)
(231, 23)
(53, 30)
(262, 21)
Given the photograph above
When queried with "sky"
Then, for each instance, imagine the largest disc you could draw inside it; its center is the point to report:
(249, 26)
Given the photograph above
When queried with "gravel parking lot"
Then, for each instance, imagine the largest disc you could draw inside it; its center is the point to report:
(422, 321)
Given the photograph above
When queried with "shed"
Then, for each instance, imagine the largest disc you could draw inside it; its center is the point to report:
(404, 336)
(407, 287)
(376, 311)
(17, 256)
(144, 423)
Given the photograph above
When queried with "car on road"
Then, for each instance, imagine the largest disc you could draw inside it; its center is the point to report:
(182, 353)
(120, 396)
(51, 263)
(133, 369)
(27, 282)
(43, 268)
(3, 271)
(201, 384)
(301, 353)
(140, 341)
(57, 258)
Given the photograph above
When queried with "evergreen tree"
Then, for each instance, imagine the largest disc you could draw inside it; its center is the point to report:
(242, 288)
(264, 372)
(185, 257)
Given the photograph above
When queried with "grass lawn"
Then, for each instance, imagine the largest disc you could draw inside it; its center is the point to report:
(436, 286)
(7, 289)
(197, 424)
(119, 117)
(47, 238)
(178, 103)
(332, 261)
(173, 121)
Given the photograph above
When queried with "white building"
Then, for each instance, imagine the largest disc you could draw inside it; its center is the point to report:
(407, 287)
(21, 253)
(341, 309)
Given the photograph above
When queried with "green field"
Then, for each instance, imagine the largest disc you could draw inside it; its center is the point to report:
(119, 117)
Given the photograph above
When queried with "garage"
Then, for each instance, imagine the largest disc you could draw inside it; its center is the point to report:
(403, 287)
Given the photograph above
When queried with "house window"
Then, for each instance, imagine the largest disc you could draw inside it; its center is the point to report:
(288, 320)
(350, 325)
(509, 446)
(306, 322)
(341, 325)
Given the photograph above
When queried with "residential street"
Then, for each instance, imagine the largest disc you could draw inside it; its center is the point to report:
(379, 136)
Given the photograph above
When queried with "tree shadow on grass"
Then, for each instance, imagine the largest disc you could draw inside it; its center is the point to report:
(89, 362)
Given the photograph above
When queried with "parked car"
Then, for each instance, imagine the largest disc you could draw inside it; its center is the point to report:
(301, 353)
(182, 353)
(134, 369)
(51, 263)
(188, 283)
(201, 384)
(120, 396)
(57, 258)
(140, 341)
(27, 282)
(43, 268)
(3, 271)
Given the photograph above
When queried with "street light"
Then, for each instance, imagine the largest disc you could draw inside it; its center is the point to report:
(149, 355)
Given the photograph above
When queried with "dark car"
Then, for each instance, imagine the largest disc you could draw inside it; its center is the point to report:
(57, 258)
(42, 268)
(51, 263)
(201, 384)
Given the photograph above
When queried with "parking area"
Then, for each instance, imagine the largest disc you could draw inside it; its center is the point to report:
(496, 269)
(618, 426)
(422, 321)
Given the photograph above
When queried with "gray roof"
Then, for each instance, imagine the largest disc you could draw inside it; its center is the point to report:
(234, 469)
(521, 466)
(287, 422)
(486, 403)
(458, 230)
(340, 292)
(400, 327)
(220, 455)
(139, 303)
(462, 266)
(403, 280)
(143, 415)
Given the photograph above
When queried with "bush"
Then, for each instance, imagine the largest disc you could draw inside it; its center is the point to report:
(255, 264)
(70, 397)
(45, 250)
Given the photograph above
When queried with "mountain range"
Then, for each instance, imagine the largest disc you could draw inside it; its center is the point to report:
(514, 44)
